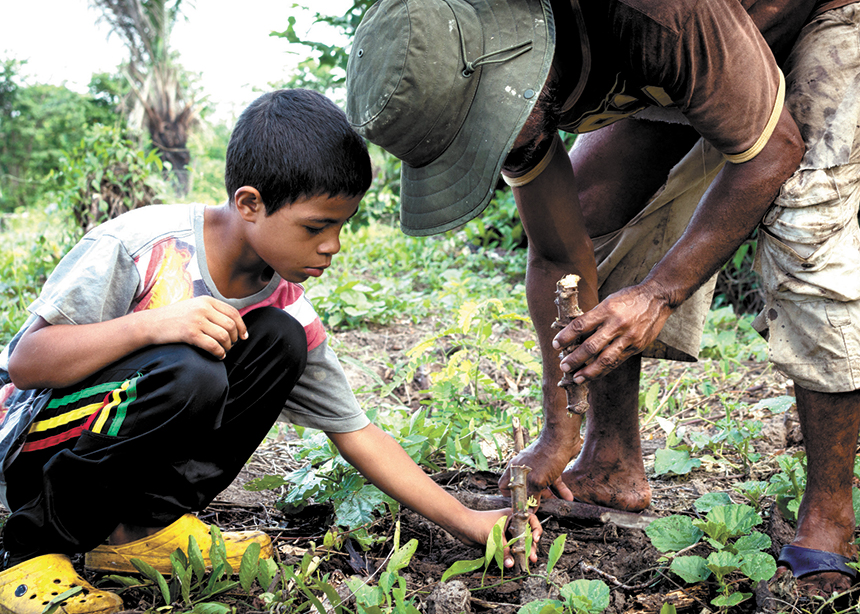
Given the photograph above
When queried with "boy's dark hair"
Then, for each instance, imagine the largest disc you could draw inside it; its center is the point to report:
(290, 144)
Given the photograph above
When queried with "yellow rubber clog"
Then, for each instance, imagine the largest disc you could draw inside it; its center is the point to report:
(156, 548)
(28, 587)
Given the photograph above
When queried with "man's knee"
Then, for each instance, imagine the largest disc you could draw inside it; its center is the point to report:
(279, 336)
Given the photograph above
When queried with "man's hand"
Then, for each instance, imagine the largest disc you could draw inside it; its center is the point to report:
(623, 324)
(204, 322)
(482, 525)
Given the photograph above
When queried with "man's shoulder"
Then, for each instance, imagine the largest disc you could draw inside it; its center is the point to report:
(671, 17)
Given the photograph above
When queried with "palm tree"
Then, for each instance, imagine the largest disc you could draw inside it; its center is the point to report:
(163, 98)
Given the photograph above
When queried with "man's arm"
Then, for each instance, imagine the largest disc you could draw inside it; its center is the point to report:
(57, 356)
(382, 461)
(626, 322)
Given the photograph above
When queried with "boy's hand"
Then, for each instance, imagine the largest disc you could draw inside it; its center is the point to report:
(204, 322)
(483, 525)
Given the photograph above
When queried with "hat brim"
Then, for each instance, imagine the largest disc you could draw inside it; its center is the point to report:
(457, 186)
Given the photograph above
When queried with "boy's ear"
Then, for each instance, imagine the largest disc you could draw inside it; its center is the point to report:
(249, 203)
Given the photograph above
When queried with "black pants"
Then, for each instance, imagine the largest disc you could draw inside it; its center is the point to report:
(170, 428)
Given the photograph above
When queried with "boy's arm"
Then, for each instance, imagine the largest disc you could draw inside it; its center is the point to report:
(382, 461)
(56, 356)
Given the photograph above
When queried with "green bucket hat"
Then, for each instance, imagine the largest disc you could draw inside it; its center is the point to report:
(446, 86)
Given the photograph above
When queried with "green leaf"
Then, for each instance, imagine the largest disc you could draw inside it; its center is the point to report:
(592, 594)
(542, 606)
(461, 567)
(855, 501)
(55, 603)
(357, 506)
(555, 552)
(673, 533)
(730, 601)
(402, 556)
(758, 566)
(267, 569)
(753, 542)
(211, 608)
(267, 482)
(218, 551)
(496, 545)
(195, 557)
(668, 608)
(155, 576)
(674, 461)
(710, 500)
(249, 565)
(723, 563)
(738, 519)
(776, 405)
(691, 569)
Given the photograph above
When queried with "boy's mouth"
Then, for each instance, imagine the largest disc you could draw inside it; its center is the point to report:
(315, 271)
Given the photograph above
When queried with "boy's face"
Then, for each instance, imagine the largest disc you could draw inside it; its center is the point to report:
(299, 240)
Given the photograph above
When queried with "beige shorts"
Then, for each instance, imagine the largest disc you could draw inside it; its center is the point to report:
(626, 256)
(809, 247)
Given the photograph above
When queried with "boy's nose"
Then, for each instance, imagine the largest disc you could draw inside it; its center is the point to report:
(330, 246)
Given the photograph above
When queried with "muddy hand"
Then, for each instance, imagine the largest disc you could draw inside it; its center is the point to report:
(623, 324)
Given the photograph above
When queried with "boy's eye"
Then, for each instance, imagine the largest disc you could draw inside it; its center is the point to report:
(314, 231)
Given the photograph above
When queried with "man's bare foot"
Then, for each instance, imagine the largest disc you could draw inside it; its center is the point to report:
(614, 486)
(547, 460)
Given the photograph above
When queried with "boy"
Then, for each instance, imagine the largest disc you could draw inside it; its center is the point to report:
(164, 347)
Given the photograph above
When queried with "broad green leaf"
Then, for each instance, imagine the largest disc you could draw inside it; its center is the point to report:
(754, 542)
(542, 606)
(357, 507)
(668, 608)
(673, 533)
(739, 519)
(155, 576)
(267, 482)
(776, 405)
(461, 567)
(211, 608)
(691, 569)
(592, 596)
(710, 500)
(758, 566)
(723, 563)
(249, 565)
(730, 601)
(555, 552)
(674, 461)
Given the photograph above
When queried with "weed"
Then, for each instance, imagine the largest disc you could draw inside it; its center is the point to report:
(190, 587)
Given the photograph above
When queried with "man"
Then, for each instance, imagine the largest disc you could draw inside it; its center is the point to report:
(461, 91)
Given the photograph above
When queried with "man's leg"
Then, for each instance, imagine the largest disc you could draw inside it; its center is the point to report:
(809, 251)
(830, 423)
(617, 170)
